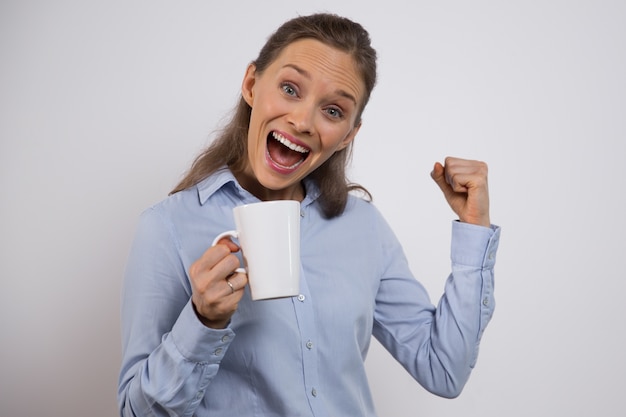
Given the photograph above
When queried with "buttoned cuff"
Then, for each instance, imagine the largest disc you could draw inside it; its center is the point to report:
(473, 245)
(196, 342)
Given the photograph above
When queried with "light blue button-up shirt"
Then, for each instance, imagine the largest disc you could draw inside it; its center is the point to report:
(303, 355)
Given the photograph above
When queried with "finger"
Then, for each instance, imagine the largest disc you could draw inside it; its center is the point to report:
(463, 174)
(238, 280)
(216, 253)
(213, 255)
(438, 174)
(458, 182)
(209, 259)
(466, 182)
(230, 284)
(226, 241)
(214, 265)
(465, 166)
(227, 266)
(465, 178)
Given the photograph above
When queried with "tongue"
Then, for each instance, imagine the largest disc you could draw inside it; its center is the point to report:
(282, 155)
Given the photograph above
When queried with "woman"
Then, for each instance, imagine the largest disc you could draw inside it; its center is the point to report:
(196, 344)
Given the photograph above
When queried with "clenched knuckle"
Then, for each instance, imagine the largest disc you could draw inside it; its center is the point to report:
(194, 269)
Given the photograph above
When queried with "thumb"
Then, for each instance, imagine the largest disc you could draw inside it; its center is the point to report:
(438, 175)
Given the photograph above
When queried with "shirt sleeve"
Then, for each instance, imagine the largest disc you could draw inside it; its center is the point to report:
(169, 357)
(438, 345)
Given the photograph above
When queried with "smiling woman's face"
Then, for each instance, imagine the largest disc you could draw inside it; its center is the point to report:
(304, 109)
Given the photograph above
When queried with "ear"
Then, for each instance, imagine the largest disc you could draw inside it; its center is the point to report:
(247, 85)
(350, 138)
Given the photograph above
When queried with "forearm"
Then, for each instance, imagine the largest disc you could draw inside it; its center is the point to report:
(172, 379)
(438, 346)
(467, 305)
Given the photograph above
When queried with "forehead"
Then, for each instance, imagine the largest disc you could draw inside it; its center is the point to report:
(322, 63)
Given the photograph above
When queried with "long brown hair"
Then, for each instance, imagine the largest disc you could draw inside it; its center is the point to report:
(230, 146)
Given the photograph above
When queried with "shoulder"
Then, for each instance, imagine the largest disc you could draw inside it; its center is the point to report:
(194, 197)
(366, 216)
(173, 203)
(361, 208)
(360, 217)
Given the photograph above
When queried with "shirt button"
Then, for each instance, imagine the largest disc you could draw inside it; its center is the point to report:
(301, 213)
(491, 256)
(314, 392)
(225, 338)
(301, 297)
(217, 351)
(486, 301)
(309, 345)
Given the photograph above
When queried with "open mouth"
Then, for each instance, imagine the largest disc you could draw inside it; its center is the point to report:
(284, 153)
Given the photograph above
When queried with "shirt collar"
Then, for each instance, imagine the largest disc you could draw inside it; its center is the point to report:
(224, 178)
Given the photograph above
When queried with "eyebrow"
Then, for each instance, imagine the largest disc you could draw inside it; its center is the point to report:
(307, 74)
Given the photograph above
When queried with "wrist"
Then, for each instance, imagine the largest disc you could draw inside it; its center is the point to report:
(212, 324)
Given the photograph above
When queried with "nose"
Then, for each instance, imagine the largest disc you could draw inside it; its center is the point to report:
(302, 118)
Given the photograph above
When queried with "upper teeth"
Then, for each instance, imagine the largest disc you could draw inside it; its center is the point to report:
(289, 144)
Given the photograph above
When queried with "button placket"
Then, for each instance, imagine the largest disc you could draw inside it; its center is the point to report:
(305, 317)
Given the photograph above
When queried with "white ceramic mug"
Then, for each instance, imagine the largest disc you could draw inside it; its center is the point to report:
(269, 236)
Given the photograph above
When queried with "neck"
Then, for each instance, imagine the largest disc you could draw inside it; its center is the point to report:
(295, 192)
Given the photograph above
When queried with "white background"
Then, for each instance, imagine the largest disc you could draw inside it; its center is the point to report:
(104, 104)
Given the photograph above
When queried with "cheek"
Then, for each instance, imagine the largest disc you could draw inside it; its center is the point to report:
(268, 101)
(336, 138)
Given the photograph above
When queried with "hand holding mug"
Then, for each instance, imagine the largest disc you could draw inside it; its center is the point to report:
(216, 285)
(269, 234)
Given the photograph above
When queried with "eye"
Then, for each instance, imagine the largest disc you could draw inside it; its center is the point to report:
(334, 112)
(289, 89)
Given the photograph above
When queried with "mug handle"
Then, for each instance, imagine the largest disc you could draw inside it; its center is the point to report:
(231, 233)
